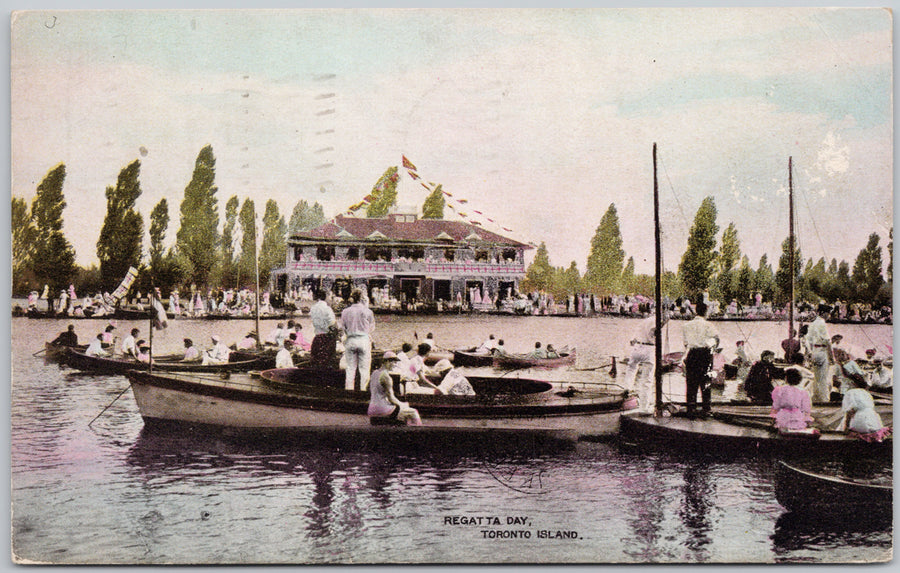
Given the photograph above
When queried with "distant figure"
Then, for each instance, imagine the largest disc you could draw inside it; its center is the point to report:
(248, 342)
(791, 405)
(284, 358)
(452, 382)
(191, 354)
(417, 381)
(95, 348)
(429, 340)
(358, 321)
(758, 384)
(487, 346)
(382, 401)
(700, 338)
(538, 352)
(500, 349)
(324, 342)
(66, 338)
(551, 352)
(861, 418)
(791, 346)
(108, 336)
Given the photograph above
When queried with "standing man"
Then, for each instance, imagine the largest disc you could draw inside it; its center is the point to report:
(821, 356)
(325, 327)
(358, 322)
(129, 345)
(700, 338)
(641, 363)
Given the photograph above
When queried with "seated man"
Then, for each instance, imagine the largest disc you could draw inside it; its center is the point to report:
(415, 380)
(882, 378)
(191, 354)
(67, 338)
(452, 382)
(284, 358)
(551, 352)
(500, 349)
(218, 354)
(538, 352)
(758, 385)
(487, 346)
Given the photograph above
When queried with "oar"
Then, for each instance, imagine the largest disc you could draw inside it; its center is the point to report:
(110, 404)
(39, 352)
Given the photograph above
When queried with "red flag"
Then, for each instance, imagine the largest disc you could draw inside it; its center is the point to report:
(479, 212)
(425, 186)
(462, 200)
(507, 229)
(413, 174)
(408, 164)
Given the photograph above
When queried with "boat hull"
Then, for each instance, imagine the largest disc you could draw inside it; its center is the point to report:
(80, 361)
(510, 361)
(470, 358)
(830, 497)
(253, 403)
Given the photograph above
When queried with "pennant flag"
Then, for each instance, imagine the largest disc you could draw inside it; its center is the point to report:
(463, 214)
(425, 186)
(159, 320)
(451, 206)
(413, 174)
(448, 194)
(507, 229)
(408, 164)
(491, 220)
(479, 212)
(462, 201)
(476, 223)
(125, 284)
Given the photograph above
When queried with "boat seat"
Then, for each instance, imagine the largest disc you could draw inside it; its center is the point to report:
(385, 421)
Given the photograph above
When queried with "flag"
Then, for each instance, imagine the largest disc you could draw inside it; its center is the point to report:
(408, 164)
(507, 229)
(447, 193)
(479, 212)
(423, 185)
(462, 201)
(159, 320)
(413, 174)
(125, 284)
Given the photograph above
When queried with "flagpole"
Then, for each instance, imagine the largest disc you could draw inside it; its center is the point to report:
(152, 310)
(256, 260)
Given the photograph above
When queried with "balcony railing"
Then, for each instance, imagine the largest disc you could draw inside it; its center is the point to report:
(414, 267)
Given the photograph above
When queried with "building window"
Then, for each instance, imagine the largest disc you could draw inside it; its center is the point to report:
(298, 253)
(482, 256)
(411, 254)
(325, 253)
(353, 253)
(377, 254)
(509, 255)
(449, 254)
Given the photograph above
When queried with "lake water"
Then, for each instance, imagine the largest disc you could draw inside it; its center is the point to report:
(114, 492)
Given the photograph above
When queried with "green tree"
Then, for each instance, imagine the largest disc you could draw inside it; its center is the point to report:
(433, 207)
(867, 278)
(604, 264)
(274, 244)
(228, 241)
(815, 279)
(539, 274)
(23, 244)
(384, 194)
(305, 217)
(744, 282)
(729, 257)
(764, 280)
(570, 280)
(198, 237)
(247, 261)
(121, 237)
(696, 266)
(628, 276)
(53, 257)
(159, 224)
(784, 275)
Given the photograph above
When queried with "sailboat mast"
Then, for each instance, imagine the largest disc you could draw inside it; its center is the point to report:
(658, 293)
(791, 249)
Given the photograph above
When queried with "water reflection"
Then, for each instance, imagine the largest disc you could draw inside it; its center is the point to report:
(795, 532)
(699, 493)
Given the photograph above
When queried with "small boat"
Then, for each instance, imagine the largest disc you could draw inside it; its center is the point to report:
(835, 497)
(58, 351)
(469, 357)
(509, 361)
(315, 400)
(111, 365)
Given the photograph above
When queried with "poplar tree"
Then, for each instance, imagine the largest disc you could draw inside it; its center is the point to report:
(433, 207)
(247, 262)
(784, 275)
(696, 268)
(571, 279)
(384, 194)
(867, 277)
(159, 223)
(305, 217)
(604, 263)
(197, 237)
(22, 243)
(764, 280)
(274, 243)
(53, 257)
(120, 244)
(228, 240)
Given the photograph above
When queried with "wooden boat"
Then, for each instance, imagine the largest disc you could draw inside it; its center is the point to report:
(727, 438)
(305, 398)
(469, 357)
(111, 365)
(830, 496)
(509, 361)
(58, 352)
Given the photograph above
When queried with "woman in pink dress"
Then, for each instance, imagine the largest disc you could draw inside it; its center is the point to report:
(791, 405)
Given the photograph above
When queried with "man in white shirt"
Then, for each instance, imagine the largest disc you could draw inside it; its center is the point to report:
(452, 382)
(641, 364)
(487, 346)
(324, 323)
(358, 322)
(218, 354)
(700, 338)
(129, 345)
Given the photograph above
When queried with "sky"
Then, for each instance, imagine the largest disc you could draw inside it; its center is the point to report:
(540, 119)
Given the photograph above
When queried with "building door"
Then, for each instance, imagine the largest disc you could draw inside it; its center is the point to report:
(506, 289)
(410, 288)
(442, 290)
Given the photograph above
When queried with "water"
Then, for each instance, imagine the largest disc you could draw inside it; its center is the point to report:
(113, 492)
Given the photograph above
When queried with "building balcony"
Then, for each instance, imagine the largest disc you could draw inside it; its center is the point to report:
(428, 268)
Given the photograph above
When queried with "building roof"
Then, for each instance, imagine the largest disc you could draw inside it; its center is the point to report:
(398, 228)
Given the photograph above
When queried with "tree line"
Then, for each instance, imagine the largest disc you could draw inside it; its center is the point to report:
(718, 267)
(201, 255)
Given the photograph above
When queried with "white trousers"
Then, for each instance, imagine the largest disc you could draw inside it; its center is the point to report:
(358, 354)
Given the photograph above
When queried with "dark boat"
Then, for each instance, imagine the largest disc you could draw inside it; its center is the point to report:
(833, 496)
(509, 361)
(110, 365)
(58, 351)
(315, 400)
(468, 357)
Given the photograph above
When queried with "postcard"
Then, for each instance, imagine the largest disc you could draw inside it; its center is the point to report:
(452, 286)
